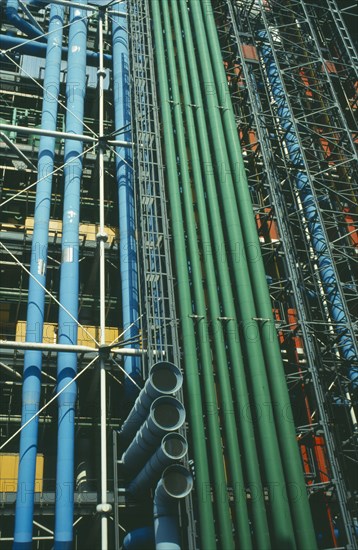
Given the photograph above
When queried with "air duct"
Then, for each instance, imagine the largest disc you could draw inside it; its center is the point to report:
(176, 484)
(172, 449)
(124, 175)
(38, 49)
(69, 279)
(36, 298)
(164, 379)
(318, 238)
(166, 414)
(12, 15)
(139, 539)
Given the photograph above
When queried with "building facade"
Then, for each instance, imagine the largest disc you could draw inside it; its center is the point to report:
(178, 240)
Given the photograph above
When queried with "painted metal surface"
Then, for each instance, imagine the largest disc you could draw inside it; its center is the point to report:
(69, 280)
(36, 301)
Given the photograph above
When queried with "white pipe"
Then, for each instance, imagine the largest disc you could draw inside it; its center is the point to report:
(103, 508)
(66, 135)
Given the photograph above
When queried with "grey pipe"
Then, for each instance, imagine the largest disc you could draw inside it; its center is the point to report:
(164, 379)
(172, 449)
(166, 414)
(176, 484)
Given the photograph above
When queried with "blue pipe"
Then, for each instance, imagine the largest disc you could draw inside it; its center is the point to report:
(164, 378)
(38, 49)
(175, 484)
(36, 297)
(127, 236)
(69, 279)
(318, 240)
(139, 539)
(12, 15)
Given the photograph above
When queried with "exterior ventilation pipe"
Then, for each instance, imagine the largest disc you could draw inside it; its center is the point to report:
(139, 539)
(176, 484)
(124, 175)
(318, 238)
(164, 379)
(38, 49)
(36, 298)
(12, 15)
(172, 449)
(69, 279)
(166, 414)
(240, 223)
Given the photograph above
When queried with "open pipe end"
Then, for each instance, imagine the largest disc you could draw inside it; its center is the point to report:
(167, 413)
(166, 377)
(177, 481)
(175, 446)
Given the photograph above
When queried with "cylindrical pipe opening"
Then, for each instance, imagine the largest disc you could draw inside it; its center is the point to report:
(166, 377)
(177, 481)
(175, 446)
(167, 413)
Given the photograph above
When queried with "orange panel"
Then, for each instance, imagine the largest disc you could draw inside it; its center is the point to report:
(320, 454)
(351, 228)
(306, 82)
(249, 52)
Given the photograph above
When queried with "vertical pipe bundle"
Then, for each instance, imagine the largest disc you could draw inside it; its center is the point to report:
(208, 539)
(36, 298)
(318, 238)
(278, 388)
(69, 279)
(127, 226)
(204, 184)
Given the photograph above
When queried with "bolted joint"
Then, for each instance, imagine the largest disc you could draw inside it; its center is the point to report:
(103, 508)
(102, 236)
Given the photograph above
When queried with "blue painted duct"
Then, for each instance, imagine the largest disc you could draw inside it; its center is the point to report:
(166, 415)
(38, 49)
(139, 539)
(164, 379)
(36, 298)
(127, 226)
(318, 240)
(69, 279)
(175, 484)
(172, 449)
(12, 15)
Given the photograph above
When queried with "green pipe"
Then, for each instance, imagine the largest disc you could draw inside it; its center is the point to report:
(195, 409)
(260, 527)
(271, 462)
(241, 519)
(292, 463)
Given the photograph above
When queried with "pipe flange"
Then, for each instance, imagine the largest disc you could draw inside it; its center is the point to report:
(102, 72)
(102, 236)
(104, 508)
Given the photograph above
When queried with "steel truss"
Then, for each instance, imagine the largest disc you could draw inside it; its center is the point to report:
(318, 83)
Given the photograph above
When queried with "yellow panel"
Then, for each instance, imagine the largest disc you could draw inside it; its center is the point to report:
(20, 331)
(83, 339)
(49, 333)
(9, 463)
(86, 231)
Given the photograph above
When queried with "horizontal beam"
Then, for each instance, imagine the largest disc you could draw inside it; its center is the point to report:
(12, 344)
(65, 135)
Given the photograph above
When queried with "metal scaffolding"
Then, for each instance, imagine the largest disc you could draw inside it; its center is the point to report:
(200, 148)
(318, 85)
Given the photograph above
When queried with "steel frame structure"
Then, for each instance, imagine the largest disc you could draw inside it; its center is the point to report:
(317, 64)
(320, 117)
